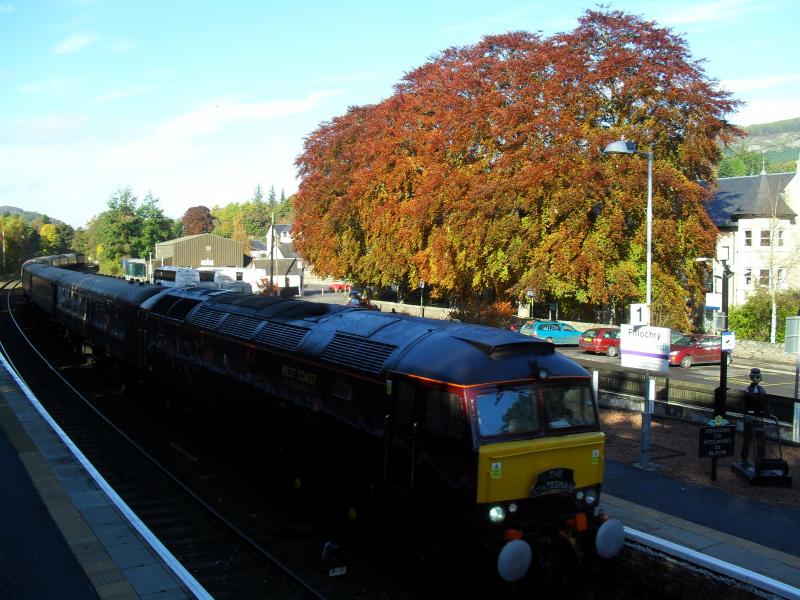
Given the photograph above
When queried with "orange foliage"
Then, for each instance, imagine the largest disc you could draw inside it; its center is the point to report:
(484, 171)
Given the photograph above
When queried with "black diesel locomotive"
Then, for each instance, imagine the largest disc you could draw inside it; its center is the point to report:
(482, 429)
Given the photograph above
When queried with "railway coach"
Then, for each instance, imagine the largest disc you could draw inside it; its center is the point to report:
(479, 431)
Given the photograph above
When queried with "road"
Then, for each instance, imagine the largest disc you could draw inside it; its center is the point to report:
(778, 379)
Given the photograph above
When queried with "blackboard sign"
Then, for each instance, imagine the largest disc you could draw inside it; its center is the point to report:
(717, 441)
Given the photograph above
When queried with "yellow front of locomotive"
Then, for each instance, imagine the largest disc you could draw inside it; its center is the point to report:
(540, 462)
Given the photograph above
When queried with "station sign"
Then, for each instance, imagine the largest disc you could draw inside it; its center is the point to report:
(717, 440)
(644, 347)
(728, 341)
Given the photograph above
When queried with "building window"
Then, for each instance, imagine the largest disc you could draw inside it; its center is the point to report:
(748, 277)
(763, 277)
(766, 237)
(748, 237)
(781, 277)
(780, 238)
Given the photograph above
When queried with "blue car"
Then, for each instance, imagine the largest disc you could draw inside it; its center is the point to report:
(552, 331)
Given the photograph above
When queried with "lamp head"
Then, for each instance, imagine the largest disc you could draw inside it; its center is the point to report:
(620, 147)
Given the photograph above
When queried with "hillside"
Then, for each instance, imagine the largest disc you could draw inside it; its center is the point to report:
(28, 216)
(779, 140)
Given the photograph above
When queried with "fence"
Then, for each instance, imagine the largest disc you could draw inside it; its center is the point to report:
(685, 399)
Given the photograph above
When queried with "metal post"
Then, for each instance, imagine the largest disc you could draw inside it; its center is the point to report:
(647, 413)
(271, 251)
(421, 295)
(649, 224)
(796, 419)
(720, 397)
(302, 266)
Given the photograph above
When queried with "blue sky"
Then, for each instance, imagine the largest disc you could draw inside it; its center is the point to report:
(199, 102)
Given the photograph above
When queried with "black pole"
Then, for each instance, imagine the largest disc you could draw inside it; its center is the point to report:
(720, 399)
(271, 250)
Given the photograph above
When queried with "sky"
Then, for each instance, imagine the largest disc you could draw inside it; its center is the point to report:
(199, 102)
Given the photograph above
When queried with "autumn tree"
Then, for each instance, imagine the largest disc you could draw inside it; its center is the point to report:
(196, 220)
(484, 172)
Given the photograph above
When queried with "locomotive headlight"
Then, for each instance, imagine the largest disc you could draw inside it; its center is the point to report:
(591, 497)
(497, 514)
(579, 494)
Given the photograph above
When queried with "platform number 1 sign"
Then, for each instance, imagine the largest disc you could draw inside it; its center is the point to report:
(640, 314)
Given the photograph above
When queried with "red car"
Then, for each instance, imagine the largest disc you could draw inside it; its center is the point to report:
(696, 349)
(602, 340)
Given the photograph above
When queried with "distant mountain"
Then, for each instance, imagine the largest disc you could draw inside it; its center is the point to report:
(27, 216)
(779, 141)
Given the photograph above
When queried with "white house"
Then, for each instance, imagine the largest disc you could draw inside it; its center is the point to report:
(759, 232)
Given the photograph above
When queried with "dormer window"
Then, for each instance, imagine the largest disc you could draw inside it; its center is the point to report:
(748, 237)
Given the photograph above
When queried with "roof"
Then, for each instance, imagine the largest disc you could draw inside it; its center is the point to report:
(283, 228)
(283, 266)
(748, 197)
(191, 237)
(377, 343)
(258, 246)
(287, 250)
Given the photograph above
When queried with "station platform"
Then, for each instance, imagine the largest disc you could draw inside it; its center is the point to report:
(64, 534)
(716, 527)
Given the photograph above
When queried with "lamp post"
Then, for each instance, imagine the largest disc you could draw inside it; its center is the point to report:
(300, 266)
(421, 295)
(625, 147)
(721, 393)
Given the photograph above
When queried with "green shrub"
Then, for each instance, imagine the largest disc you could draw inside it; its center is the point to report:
(751, 321)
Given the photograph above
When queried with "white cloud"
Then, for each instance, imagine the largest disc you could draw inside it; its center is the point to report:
(34, 87)
(204, 156)
(759, 83)
(118, 94)
(766, 111)
(714, 11)
(45, 130)
(122, 46)
(73, 44)
(215, 115)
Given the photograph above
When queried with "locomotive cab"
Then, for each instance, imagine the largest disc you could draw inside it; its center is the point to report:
(540, 454)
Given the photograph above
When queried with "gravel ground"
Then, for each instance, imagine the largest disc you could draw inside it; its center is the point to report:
(674, 449)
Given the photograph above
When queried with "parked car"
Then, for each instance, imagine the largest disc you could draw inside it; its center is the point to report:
(339, 286)
(515, 323)
(602, 340)
(552, 331)
(696, 349)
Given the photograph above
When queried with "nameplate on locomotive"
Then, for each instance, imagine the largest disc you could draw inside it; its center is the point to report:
(554, 481)
(299, 375)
